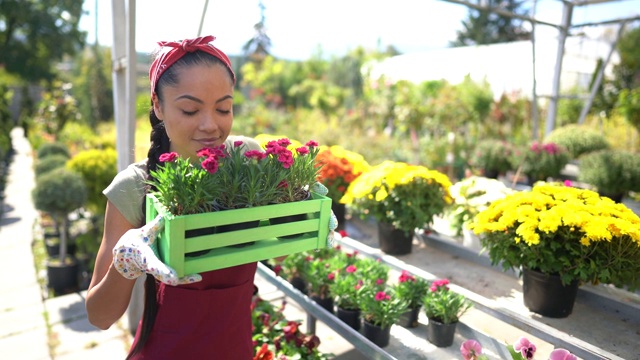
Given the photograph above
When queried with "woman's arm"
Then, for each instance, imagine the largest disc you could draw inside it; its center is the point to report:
(109, 292)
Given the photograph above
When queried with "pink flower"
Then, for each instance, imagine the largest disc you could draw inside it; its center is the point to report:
(168, 157)
(284, 142)
(210, 164)
(406, 276)
(470, 350)
(379, 281)
(277, 269)
(331, 276)
(567, 183)
(285, 157)
(237, 143)
(562, 354)
(525, 347)
(255, 155)
(302, 151)
(312, 143)
(381, 296)
(351, 269)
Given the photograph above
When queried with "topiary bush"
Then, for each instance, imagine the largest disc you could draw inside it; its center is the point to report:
(613, 172)
(578, 139)
(59, 192)
(53, 148)
(48, 163)
(97, 168)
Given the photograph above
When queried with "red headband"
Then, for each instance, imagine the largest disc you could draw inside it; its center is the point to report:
(178, 49)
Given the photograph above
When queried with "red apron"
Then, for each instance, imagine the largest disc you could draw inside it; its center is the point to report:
(210, 319)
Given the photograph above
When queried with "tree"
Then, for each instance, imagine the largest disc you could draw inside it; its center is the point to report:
(627, 71)
(257, 48)
(92, 85)
(486, 27)
(35, 34)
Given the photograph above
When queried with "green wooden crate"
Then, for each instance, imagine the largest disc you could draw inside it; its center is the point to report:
(174, 241)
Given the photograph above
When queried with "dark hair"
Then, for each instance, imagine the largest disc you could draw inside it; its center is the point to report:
(160, 144)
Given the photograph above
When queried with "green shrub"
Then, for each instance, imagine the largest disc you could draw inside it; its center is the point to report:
(578, 139)
(492, 156)
(53, 148)
(613, 172)
(49, 163)
(97, 168)
(59, 191)
(541, 161)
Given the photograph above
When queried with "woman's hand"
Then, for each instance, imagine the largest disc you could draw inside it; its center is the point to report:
(136, 253)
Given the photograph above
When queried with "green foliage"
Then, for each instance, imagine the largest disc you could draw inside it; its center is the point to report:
(443, 305)
(612, 172)
(381, 308)
(578, 139)
(53, 148)
(92, 85)
(629, 106)
(569, 108)
(626, 72)
(59, 192)
(541, 161)
(411, 289)
(51, 162)
(6, 122)
(486, 27)
(37, 34)
(98, 168)
(56, 108)
(493, 156)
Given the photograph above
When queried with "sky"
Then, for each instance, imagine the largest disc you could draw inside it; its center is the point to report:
(300, 29)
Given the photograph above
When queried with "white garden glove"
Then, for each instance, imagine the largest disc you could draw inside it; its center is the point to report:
(136, 253)
(333, 220)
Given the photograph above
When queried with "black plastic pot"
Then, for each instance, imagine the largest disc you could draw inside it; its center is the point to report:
(440, 334)
(350, 317)
(394, 241)
(62, 277)
(378, 335)
(546, 295)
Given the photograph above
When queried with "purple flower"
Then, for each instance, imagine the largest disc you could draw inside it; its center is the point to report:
(470, 350)
(562, 354)
(525, 347)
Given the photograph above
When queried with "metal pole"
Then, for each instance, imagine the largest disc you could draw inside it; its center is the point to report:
(599, 76)
(567, 12)
(534, 94)
(204, 11)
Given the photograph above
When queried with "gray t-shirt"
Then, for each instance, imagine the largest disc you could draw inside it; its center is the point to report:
(127, 190)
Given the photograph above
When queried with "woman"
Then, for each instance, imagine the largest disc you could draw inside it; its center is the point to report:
(207, 315)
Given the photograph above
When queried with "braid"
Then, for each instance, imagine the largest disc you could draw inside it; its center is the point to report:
(159, 144)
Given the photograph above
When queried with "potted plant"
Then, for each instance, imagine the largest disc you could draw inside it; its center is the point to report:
(252, 186)
(541, 161)
(471, 196)
(443, 308)
(339, 168)
(522, 349)
(565, 235)
(58, 193)
(400, 197)
(578, 139)
(411, 289)
(613, 172)
(492, 157)
(346, 289)
(380, 310)
(293, 269)
(319, 275)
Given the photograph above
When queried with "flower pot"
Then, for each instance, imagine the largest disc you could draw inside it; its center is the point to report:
(62, 277)
(376, 334)
(440, 334)
(394, 241)
(546, 295)
(326, 303)
(289, 219)
(299, 283)
(409, 318)
(350, 317)
(340, 211)
(53, 247)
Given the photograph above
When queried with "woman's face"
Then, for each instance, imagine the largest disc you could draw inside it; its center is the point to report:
(198, 112)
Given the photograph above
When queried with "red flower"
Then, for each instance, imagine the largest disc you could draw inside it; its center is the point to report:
(343, 233)
(237, 143)
(406, 276)
(381, 296)
(255, 155)
(331, 276)
(351, 269)
(302, 151)
(263, 353)
(210, 164)
(312, 143)
(168, 157)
